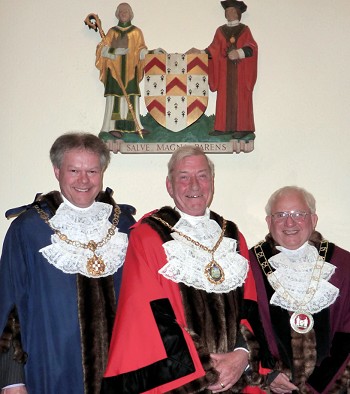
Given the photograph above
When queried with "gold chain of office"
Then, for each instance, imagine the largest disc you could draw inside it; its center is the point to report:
(213, 271)
(301, 315)
(95, 265)
(315, 276)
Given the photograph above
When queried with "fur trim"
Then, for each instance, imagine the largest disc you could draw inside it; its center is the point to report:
(97, 307)
(253, 378)
(315, 240)
(169, 215)
(342, 383)
(304, 358)
(54, 199)
(306, 349)
(212, 319)
(12, 337)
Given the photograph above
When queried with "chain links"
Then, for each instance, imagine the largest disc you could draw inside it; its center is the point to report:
(91, 245)
(213, 271)
(193, 241)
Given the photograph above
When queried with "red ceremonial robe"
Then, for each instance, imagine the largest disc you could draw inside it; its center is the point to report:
(233, 80)
(137, 342)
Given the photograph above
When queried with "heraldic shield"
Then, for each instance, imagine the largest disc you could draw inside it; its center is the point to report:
(176, 88)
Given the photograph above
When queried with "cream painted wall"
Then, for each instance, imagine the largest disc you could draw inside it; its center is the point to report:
(49, 85)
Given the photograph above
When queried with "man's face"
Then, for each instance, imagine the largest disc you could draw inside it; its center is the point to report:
(124, 14)
(288, 232)
(231, 14)
(191, 185)
(80, 177)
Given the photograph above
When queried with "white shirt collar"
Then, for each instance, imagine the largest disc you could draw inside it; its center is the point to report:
(294, 252)
(233, 23)
(194, 219)
(71, 205)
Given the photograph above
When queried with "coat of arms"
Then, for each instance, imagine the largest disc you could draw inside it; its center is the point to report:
(176, 91)
(176, 88)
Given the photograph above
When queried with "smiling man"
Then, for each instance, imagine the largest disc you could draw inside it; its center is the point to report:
(61, 268)
(303, 287)
(191, 184)
(178, 326)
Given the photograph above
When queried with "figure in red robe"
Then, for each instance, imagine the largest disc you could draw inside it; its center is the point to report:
(233, 58)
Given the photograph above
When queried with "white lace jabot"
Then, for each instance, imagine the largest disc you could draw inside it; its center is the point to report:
(84, 225)
(186, 262)
(296, 272)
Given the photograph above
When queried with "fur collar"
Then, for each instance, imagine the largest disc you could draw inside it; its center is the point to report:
(212, 319)
(96, 308)
(298, 353)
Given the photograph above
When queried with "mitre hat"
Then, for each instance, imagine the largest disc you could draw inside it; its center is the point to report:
(234, 3)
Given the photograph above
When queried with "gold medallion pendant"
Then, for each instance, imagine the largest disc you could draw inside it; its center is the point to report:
(95, 266)
(302, 322)
(214, 273)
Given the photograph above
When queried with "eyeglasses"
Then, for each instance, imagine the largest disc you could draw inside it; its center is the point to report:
(297, 216)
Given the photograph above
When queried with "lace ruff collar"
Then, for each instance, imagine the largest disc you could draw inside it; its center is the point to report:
(186, 262)
(299, 274)
(85, 225)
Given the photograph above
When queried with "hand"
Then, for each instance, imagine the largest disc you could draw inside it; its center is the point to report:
(282, 385)
(233, 55)
(108, 53)
(193, 51)
(230, 367)
(121, 51)
(15, 390)
(159, 51)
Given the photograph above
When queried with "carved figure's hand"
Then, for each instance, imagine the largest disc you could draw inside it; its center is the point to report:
(193, 51)
(159, 51)
(108, 52)
(233, 55)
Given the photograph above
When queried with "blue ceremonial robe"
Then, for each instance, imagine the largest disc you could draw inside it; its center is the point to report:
(47, 304)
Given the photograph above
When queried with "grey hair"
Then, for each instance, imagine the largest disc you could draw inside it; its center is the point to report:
(308, 197)
(186, 151)
(80, 140)
(130, 10)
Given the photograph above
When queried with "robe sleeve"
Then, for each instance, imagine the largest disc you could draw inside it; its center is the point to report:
(150, 349)
(12, 272)
(332, 367)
